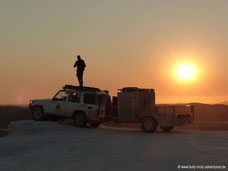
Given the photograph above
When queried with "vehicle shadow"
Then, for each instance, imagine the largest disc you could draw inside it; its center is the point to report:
(121, 129)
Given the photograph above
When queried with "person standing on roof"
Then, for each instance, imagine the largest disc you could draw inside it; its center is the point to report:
(80, 64)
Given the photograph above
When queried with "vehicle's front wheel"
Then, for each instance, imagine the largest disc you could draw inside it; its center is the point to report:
(166, 128)
(148, 124)
(38, 114)
(79, 119)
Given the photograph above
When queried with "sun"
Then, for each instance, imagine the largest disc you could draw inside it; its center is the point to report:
(186, 72)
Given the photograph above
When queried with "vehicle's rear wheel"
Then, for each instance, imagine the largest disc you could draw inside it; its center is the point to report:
(166, 128)
(79, 119)
(38, 114)
(95, 124)
(148, 124)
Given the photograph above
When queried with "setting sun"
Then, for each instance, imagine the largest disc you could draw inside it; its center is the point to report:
(186, 72)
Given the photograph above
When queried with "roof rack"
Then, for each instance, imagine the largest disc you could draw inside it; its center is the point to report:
(132, 89)
(78, 88)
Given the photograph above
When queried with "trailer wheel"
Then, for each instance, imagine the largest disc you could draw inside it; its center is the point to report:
(148, 124)
(166, 128)
(38, 114)
(79, 119)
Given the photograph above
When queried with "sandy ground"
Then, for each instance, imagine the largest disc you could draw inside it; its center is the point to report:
(46, 145)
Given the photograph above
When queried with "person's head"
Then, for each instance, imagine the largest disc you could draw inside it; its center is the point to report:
(79, 57)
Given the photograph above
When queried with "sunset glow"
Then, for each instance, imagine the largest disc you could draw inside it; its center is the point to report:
(178, 48)
(186, 72)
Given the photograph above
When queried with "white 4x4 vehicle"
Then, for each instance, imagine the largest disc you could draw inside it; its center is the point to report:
(82, 104)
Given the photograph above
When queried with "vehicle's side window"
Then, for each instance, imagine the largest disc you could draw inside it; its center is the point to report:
(89, 98)
(61, 96)
(74, 97)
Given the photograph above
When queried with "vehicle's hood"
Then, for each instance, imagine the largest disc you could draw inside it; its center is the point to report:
(41, 101)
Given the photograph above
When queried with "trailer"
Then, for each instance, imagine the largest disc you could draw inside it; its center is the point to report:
(138, 105)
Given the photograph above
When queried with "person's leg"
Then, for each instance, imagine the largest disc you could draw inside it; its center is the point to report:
(79, 75)
(76, 75)
(82, 79)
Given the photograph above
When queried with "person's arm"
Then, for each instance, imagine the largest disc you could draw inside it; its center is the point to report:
(75, 64)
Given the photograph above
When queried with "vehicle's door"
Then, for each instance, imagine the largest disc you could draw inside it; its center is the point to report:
(57, 105)
(105, 106)
(73, 103)
(91, 105)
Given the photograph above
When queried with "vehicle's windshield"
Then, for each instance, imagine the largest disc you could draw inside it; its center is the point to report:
(61, 96)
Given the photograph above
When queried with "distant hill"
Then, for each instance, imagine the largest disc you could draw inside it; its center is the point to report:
(209, 112)
(206, 112)
(12, 113)
(225, 103)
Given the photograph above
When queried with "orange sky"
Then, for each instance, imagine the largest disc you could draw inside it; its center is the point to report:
(124, 43)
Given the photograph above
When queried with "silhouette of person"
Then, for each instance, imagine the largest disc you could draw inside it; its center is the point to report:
(80, 64)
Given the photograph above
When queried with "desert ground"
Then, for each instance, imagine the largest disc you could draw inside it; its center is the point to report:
(46, 145)
(59, 146)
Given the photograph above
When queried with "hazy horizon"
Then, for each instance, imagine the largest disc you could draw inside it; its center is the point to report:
(124, 43)
(221, 103)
